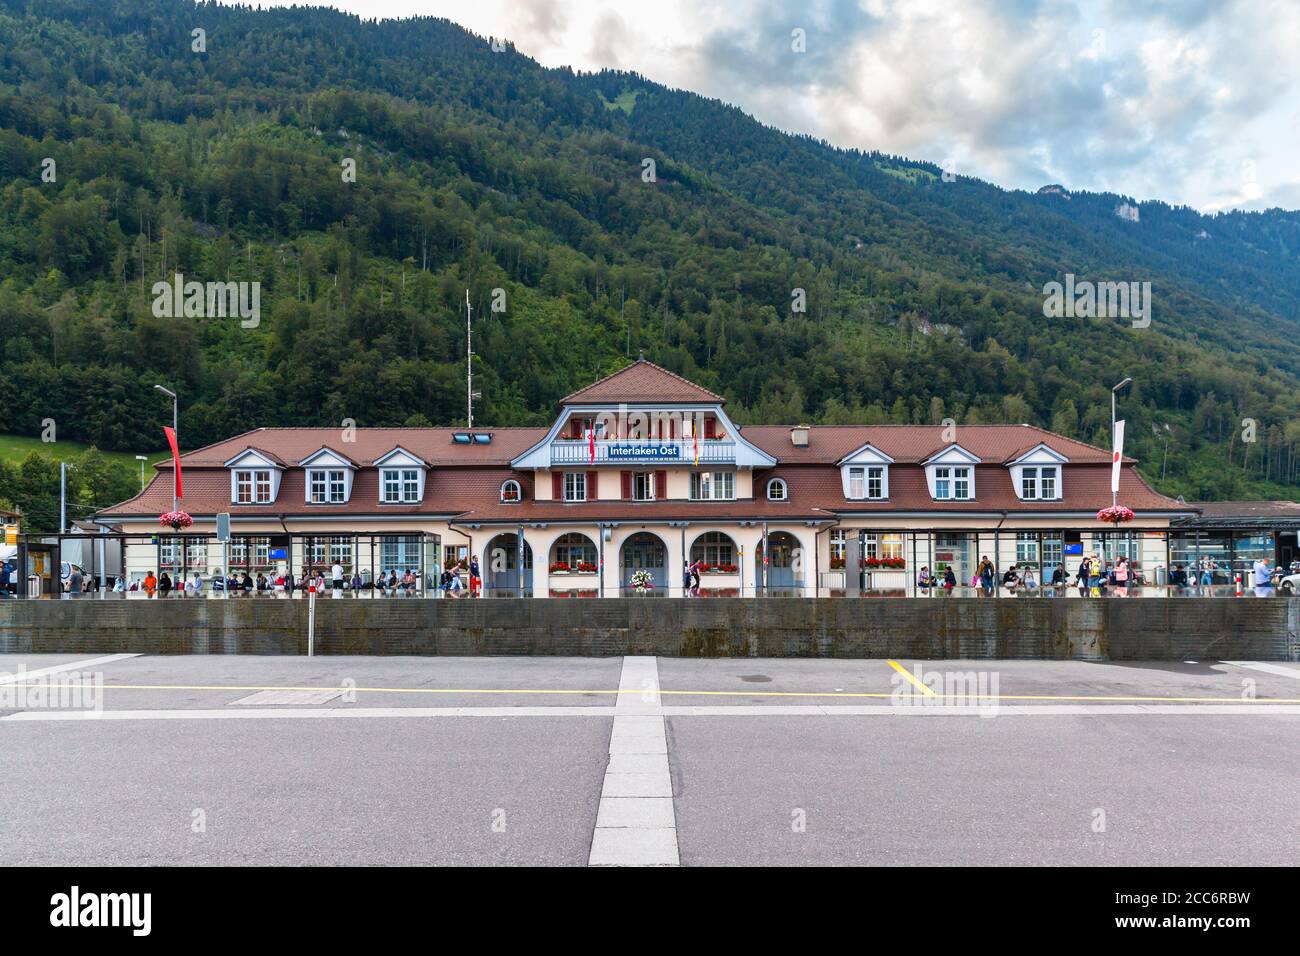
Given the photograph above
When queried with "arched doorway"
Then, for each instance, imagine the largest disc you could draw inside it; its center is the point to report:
(785, 561)
(644, 551)
(501, 564)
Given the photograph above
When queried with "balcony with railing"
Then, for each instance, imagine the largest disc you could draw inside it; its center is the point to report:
(644, 451)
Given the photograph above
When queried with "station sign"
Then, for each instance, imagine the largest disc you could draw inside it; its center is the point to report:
(643, 451)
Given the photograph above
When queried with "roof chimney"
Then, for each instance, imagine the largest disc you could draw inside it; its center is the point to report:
(799, 436)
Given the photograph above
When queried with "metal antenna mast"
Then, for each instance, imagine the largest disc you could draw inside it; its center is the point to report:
(469, 363)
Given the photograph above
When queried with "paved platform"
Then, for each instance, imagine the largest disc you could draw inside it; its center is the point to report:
(647, 761)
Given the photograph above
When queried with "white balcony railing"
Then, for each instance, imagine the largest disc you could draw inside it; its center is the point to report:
(639, 451)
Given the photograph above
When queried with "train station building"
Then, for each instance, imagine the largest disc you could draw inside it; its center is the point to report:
(644, 471)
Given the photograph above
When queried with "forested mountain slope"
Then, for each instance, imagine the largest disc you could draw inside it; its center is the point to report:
(482, 169)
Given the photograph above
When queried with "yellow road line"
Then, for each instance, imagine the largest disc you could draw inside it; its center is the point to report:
(1131, 699)
(927, 691)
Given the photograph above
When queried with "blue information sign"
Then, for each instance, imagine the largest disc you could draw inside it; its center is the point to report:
(640, 452)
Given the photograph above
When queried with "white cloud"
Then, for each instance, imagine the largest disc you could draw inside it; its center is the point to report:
(1151, 98)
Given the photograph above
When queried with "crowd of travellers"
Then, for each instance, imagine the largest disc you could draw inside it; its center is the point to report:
(457, 580)
(1094, 578)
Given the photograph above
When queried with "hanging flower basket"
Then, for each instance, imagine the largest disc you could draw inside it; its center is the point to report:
(175, 520)
(1116, 515)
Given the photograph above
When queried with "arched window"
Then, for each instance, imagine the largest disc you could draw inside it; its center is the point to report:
(573, 552)
(510, 491)
(715, 550)
(776, 490)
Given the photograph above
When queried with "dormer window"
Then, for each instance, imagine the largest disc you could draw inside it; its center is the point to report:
(777, 490)
(953, 483)
(950, 474)
(400, 485)
(1036, 475)
(865, 474)
(327, 486)
(1039, 482)
(253, 486)
(510, 492)
(866, 481)
(401, 477)
(254, 477)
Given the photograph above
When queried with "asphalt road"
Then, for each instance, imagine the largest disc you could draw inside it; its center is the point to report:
(555, 761)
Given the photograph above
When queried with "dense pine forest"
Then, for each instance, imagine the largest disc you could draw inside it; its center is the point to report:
(127, 155)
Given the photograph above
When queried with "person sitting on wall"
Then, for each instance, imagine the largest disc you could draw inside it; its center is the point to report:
(1058, 575)
(1178, 577)
(1027, 579)
(1010, 579)
(924, 579)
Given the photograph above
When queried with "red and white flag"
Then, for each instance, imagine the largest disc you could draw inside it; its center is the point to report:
(1117, 453)
(591, 443)
(176, 457)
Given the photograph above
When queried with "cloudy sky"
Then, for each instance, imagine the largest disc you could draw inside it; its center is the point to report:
(1189, 101)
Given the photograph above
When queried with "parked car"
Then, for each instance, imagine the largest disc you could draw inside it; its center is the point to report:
(1288, 582)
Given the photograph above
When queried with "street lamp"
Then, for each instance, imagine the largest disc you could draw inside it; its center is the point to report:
(175, 419)
(142, 459)
(1113, 392)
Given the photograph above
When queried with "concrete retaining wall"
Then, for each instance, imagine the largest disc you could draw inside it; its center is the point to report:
(1056, 629)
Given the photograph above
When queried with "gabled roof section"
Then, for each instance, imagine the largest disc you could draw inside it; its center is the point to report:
(952, 452)
(399, 450)
(867, 454)
(1046, 450)
(269, 459)
(327, 450)
(642, 382)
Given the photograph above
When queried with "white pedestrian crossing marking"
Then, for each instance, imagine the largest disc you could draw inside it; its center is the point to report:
(635, 823)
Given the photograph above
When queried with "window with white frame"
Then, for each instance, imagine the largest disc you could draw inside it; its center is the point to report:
(952, 483)
(889, 545)
(399, 553)
(866, 481)
(1026, 547)
(326, 486)
(401, 485)
(713, 486)
(575, 486)
(837, 548)
(1038, 482)
(643, 486)
(777, 490)
(252, 486)
(510, 491)
(239, 548)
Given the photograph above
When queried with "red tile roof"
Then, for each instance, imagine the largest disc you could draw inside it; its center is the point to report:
(434, 445)
(828, 444)
(465, 479)
(642, 382)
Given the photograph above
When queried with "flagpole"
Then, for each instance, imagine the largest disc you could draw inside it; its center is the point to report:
(175, 431)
